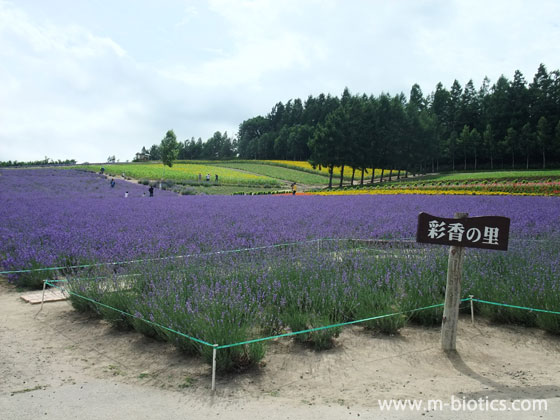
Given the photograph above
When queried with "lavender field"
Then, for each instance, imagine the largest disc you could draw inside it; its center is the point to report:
(61, 218)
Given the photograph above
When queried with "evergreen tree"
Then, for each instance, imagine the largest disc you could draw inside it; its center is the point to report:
(451, 147)
(527, 142)
(518, 102)
(498, 108)
(541, 100)
(463, 143)
(557, 139)
(489, 142)
(475, 141)
(322, 146)
(455, 104)
(469, 108)
(543, 138)
(511, 142)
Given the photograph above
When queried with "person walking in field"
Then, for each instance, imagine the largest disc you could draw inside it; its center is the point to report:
(151, 191)
(126, 194)
(294, 188)
(112, 182)
(207, 177)
(216, 178)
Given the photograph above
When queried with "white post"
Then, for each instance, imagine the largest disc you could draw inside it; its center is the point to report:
(472, 309)
(452, 295)
(42, 297)
(214, 367)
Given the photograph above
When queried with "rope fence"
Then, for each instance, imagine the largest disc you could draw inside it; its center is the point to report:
(216, 347)
(355, 243)
(67, 267)
(407, 241)
(516, 307)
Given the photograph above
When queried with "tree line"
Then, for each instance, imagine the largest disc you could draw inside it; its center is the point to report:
(45, 162)
(219, 146)
(509, 124)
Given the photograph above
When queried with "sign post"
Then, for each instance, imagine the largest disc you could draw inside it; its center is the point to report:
(487, 232)
(452, 294)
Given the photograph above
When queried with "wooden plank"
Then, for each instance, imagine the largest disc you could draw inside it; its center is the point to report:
(51, 295)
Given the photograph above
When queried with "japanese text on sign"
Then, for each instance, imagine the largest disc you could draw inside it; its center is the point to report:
(491, 232)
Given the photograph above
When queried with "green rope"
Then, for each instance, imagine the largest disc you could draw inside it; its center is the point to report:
(50, 283)
(31, 270)
(516, 307)
(126, 313)
(256, 340)
(67, 267)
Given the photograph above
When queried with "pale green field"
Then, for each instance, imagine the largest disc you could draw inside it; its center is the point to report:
(463, 176)
(278, 172)
(183, 172)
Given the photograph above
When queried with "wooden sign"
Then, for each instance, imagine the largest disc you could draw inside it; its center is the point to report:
(488, 232)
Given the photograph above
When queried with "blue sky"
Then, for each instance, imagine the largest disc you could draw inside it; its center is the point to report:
(88, 79)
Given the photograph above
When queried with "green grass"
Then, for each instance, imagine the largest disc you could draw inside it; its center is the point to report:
(465, 176)
(278, 172)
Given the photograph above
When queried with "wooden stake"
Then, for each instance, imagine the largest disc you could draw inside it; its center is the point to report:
(452, 295)
(214, 367)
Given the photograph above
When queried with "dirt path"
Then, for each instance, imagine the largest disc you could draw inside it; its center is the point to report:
(65, 365)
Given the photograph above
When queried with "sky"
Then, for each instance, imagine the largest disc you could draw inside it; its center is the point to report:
(89, 79)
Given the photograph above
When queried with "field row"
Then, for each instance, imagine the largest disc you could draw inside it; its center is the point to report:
(228, 299)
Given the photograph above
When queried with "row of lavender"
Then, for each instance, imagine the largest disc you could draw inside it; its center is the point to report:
(64, 217)
(230, 298)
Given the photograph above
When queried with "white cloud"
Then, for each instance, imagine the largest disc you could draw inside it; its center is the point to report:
(257, 46)
(248, 64)
(88, 81)
(65, 86)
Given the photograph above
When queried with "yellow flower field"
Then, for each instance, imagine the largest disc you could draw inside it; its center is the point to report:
(336, 171)
(182, 172)
(393, 191)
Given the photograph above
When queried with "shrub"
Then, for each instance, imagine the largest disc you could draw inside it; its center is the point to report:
(318, 340)
(383, 305)
(117, 302)
(236, 358)
(188, 191)
(549, 322)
